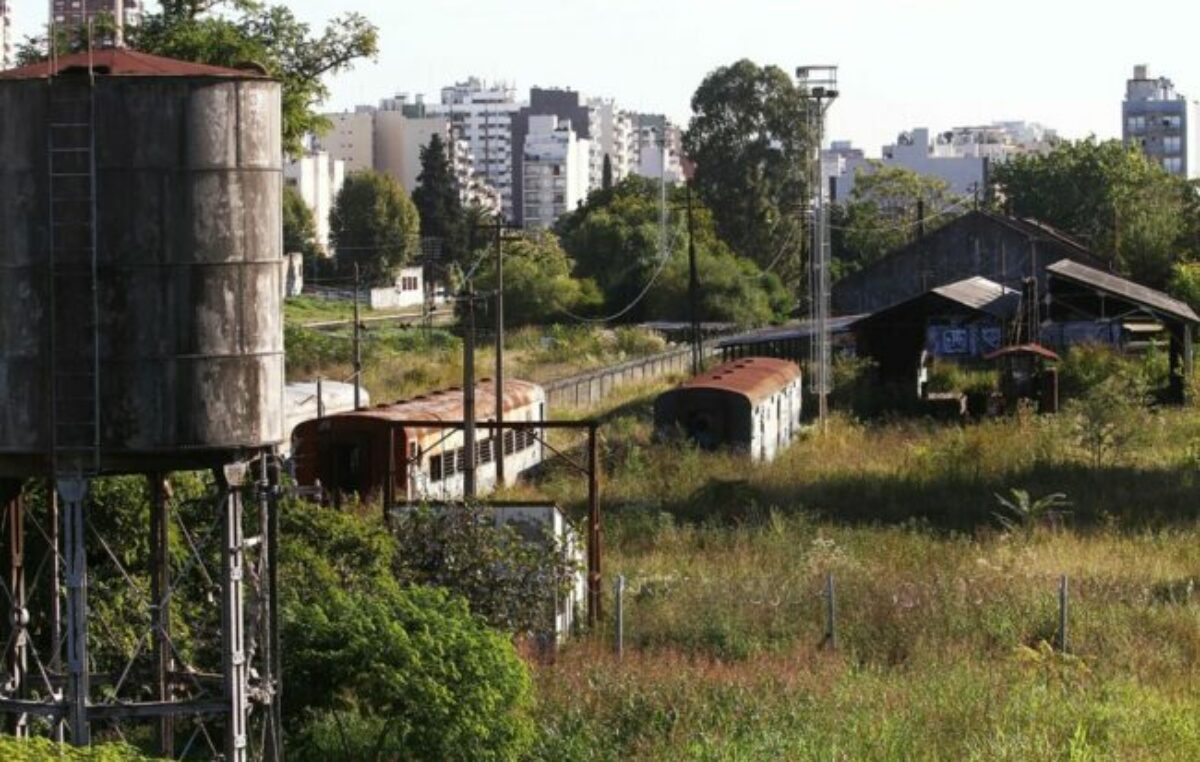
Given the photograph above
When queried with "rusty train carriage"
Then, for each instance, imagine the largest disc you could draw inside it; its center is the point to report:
(752, 404)
(357, 452)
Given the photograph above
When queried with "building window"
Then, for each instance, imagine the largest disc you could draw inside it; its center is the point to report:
(1136, 124)
(1172, 144)
(1173, 164)
(1174, 121)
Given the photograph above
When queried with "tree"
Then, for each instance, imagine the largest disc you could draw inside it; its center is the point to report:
(748, 138)
(884, 212)
(375, 225)
(299, 228)
(437, 200)
(1127, 208)
(240, 32)
(615, 239)
(380, 671)
(606, 175)
(538, 283)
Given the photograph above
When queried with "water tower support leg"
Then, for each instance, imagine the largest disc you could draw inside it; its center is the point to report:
(160, 585)
(233, 612)
(73, 491)
(17, 657)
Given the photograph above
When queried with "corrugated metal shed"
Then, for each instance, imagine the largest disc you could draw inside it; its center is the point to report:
(122, 62)
(982, 294)
(755, 378)
(1121, 288)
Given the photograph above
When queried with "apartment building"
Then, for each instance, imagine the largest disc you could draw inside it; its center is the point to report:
(351, 139)
(74, 13)
(318, 177)
(612, 136)
(1162, 122)
(481, 114)
(6, 52)
(556, 170)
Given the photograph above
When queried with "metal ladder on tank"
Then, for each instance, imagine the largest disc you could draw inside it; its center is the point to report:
(74, 293)
(74, 357)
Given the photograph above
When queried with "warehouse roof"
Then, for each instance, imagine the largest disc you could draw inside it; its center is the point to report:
(982, 294)
(122, 62)
(755, 378)
(1126, 290)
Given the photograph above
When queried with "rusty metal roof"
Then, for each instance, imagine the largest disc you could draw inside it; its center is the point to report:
(755, 378)
(122, 62)
(447, 404)
(1022, 349)
(1134, 293)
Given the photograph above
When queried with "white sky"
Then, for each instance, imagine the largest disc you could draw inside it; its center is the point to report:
(904, 63)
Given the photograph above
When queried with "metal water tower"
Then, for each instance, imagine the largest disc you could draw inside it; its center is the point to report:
(140, 333)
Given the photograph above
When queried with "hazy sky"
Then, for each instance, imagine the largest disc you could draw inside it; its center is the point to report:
(904, 63)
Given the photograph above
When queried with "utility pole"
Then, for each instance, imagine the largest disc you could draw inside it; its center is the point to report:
(357, 345)
(469, 484)
(693, 287)
(819, 88)
(498, 436)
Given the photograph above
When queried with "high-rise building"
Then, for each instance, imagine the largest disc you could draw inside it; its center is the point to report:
(570, 112)
(318, 177)
(389, 139)
(1162, 122)
(612, 137)
(72, 13)
(555, 170)
(481, 115)
(6, 59)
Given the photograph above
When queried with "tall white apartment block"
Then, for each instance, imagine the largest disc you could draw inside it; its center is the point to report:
(481, 114)
(6, 59)
(351, 139)
(318, 177)
(557, 170)
(1162, 122)
(612, 136)
(74, 13)
(657, 147)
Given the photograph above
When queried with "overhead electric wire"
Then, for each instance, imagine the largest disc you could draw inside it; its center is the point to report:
(664, 259)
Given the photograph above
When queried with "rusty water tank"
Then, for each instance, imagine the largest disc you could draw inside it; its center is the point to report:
(186, 215)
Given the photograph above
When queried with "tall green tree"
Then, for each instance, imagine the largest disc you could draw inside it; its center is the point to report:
(539, 286)
(888, 207)
(299, 228)
(1127, 208)
(616, 240)
(247, 32)
(439, 204)
(749, 140)
(375, 225)
(606, 174)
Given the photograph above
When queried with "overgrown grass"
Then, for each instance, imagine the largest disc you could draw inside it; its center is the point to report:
(946, 621)
(399, 362)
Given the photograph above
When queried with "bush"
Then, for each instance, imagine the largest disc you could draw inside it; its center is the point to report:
(363, 654)
(44, 750)
(1087, 366)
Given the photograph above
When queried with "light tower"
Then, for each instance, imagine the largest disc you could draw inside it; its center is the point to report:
(819, 88)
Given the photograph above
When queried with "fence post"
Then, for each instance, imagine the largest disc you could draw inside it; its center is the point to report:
(830, 613)
(619, 612)
(1063, 612)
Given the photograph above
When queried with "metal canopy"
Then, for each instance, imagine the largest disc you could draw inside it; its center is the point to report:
(1126, 290)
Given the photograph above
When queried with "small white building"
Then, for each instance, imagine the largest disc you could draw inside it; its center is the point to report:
(318, 177)
(407, 292)
(557, 170)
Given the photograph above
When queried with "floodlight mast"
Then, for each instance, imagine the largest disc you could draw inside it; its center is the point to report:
(819, 89)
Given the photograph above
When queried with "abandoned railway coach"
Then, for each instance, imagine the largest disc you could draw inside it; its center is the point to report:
(365, 452)
(752, 404)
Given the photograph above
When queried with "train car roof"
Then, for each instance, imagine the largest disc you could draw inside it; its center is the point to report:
(447, 405)
(754, 378)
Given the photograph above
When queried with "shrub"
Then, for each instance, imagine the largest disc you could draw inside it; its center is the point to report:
(362, 653)
(44, 750)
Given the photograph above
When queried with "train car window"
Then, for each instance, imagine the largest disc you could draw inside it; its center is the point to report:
(461, 459)
(485, 451)
(435, 468)
(510, 442)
